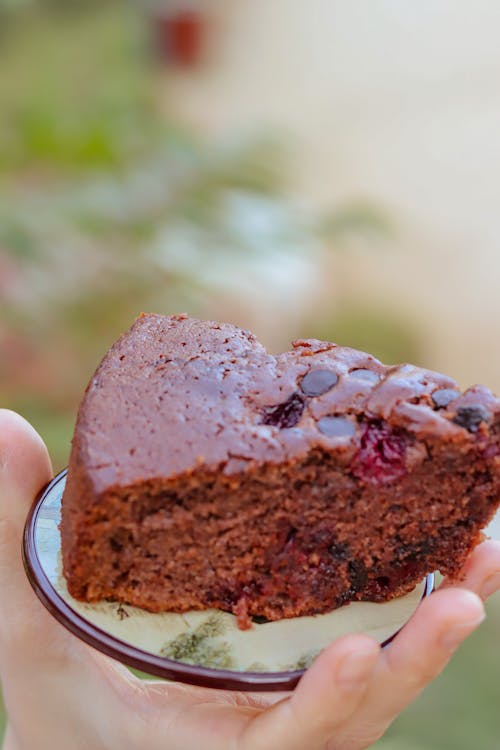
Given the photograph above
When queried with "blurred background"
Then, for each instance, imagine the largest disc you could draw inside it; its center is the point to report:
(325, 169)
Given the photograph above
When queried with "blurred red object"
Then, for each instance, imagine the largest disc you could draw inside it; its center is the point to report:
(179, 36)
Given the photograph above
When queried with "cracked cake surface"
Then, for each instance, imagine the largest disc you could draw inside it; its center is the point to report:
(206, 472)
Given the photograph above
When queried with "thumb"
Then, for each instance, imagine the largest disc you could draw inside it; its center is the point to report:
(28, 633)
(25, 468)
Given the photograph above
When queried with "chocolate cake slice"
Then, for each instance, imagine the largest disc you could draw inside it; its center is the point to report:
(206, 472)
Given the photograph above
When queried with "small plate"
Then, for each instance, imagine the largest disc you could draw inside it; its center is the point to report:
(203, 648)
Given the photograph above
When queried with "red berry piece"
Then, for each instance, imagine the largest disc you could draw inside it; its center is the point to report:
(284, 415)
(382, 455)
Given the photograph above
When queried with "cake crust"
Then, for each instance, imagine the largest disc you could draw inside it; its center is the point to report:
(206, 472)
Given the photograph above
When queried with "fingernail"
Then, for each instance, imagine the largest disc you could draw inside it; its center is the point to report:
(354, 669)
(491, 585)
(453, 637)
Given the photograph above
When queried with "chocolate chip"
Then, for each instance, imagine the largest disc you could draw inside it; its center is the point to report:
(341, 427)
(470, 417)
(370, 375)
(284, 415)
(358, 574)
(317, 382)
(339, 550)
(115, 545)
(444, 396)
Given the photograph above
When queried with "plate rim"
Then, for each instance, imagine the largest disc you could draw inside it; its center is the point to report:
(133, 656)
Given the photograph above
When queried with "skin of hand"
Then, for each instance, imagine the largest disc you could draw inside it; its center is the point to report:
(62, 695)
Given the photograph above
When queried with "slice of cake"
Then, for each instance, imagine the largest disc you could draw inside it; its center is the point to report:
(206, 472)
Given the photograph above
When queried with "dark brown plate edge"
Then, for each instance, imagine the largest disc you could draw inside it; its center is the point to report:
(133, 656)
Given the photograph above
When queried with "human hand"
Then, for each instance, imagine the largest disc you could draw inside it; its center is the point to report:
(62, 695)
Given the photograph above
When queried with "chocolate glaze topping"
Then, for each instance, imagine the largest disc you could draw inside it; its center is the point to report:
(209, 392)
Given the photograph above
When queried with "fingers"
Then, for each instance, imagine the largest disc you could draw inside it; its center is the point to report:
(329, 692)
(424, 646)
(27, 631)
(417, 655)
(481, 572)
(24, 467)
